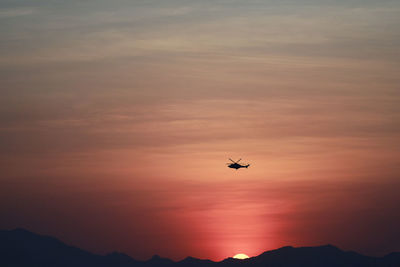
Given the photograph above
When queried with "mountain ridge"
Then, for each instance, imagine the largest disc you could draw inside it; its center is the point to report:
(22, 248)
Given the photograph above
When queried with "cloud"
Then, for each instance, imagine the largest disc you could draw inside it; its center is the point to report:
(16, 12)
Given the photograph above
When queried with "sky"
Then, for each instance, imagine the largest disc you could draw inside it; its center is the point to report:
(117, 119)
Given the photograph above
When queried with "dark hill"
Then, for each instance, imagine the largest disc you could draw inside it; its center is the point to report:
(21, 248)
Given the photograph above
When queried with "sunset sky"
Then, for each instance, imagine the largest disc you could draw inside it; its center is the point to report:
(117, 119)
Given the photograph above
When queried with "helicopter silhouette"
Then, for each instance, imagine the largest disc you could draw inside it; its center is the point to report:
(236, 165)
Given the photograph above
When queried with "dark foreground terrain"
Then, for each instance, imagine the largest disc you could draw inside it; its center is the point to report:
(21, 248)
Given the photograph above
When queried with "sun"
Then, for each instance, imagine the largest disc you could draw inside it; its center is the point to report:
(241, 256)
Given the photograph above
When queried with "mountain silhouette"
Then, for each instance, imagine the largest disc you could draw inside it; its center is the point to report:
(21, 248)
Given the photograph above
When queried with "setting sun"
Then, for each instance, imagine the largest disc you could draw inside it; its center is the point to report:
(241, 256)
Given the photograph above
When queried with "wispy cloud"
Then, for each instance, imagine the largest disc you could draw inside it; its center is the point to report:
(16, 12)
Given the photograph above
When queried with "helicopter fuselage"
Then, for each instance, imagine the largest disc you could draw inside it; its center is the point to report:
(238, 166)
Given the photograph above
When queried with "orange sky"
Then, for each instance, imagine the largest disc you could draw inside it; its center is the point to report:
(117, 120)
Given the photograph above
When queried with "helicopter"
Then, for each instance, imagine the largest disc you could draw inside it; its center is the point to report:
(236, 165)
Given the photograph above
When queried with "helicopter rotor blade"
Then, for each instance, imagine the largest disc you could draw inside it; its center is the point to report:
(238, 160)
(232, 160)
